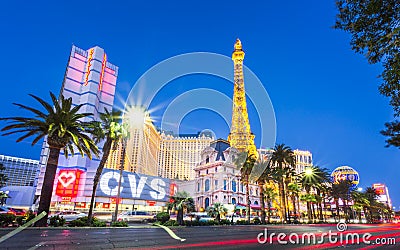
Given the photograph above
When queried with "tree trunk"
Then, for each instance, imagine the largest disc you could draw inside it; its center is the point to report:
(96, 179)
(269, 210)
(47, 187)
(179, 217)
(262, 203)
(337, 209)
(324, 200)
(321, 218)
(284, 202)
(248, 199)
(298, 206)
(294, 207)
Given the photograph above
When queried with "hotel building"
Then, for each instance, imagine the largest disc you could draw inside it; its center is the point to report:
(19, 171)
(179, 154)
(90, 79)
(219, 180)
(303, 160)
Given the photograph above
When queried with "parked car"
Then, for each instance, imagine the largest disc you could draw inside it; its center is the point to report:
(236, 218)
(135, 216)
(70, 215)
(17, 211)
(274, 219)
(204, 218)
(4, 210)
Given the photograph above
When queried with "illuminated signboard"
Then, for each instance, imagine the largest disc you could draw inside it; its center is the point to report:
(103, 67)
(379, 189)
(89, 64)
(345, 173)
(172, 191)
(133, 186)
(68, 183)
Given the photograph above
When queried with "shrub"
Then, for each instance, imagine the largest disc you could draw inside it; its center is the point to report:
(171, 223)
(256, 221)
(20, 220)
(56, 221)
(191, 223)
(29, 216)
(78, 223)
(6, 219)
(225, 222)
(162, 217)
(98, 223)
(241, 222)
(119, 224)
(83, 221)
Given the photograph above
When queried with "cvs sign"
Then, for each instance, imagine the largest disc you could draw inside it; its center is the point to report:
(133, 186)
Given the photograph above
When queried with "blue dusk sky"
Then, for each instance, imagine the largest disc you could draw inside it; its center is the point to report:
(325, 96)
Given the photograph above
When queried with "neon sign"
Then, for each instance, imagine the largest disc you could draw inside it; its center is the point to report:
(68, 183)
(103, 67)
(89, 64)
(133, 185)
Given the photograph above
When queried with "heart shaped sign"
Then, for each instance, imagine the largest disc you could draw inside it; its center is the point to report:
(66, 179)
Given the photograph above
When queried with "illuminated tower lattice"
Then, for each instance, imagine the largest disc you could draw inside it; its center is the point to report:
(240, 136)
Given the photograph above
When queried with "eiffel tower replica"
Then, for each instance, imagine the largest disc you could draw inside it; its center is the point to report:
(240, 136)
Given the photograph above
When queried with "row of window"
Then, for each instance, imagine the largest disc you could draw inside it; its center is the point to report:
(234, 187)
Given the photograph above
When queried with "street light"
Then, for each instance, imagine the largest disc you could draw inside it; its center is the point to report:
(309, 171)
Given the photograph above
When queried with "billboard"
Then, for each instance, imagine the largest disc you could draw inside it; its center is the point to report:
(68, 182)
(133, 186)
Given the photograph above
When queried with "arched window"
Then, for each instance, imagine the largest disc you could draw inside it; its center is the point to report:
(234, 186)
(233, 201)
(207, 185)
(255, 202)
(224, 184)
(207, 202)
(198, 187)
(207, 159)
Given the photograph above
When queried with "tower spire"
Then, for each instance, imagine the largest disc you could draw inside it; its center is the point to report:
(240, 135)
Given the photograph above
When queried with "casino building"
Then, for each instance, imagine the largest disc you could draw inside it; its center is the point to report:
(90, 79)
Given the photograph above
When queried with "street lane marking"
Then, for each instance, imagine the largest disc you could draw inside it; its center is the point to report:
(172, 234)
(19, 229)
(37, 245)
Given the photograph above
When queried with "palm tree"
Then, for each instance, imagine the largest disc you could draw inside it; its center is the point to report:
(360, 202)
(110, 130)
(3, 197)
(283, 160)
(217, 210)
(262, 174)
(372, 197)
(246, 166)
(270, 195)
(294, 191)
(65, 130)
(309, 199)
(315, 177)
(341, 190)
(3, 177)
(181, 201)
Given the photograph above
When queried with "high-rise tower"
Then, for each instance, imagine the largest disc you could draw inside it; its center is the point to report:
(90, 79)
(240, 136)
